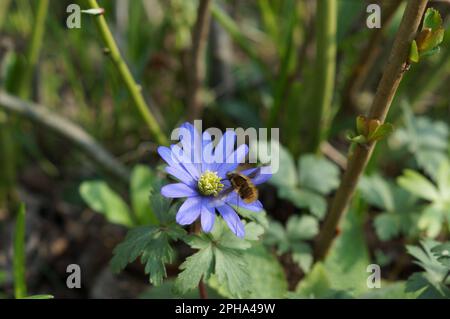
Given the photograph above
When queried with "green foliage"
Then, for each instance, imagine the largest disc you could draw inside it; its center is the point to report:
(432, 282)
(20, 286)
(437, 212)
(143, 182)
(152, 243)
(292, 239)
(306, 185)
(101, 198)
(220, 253)
(427, 140)
(399, 212)
(343, 273)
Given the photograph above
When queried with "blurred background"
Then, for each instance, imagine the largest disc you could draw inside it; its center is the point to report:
(261, 63)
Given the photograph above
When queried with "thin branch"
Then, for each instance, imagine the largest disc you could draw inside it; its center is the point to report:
(386, 90)
(196, 74)
(133, 88)
(65, 128)
(333, 154)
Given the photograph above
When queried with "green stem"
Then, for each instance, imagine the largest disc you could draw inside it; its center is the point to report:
(282, 79)
(236, 34)
(34, 49)
(4, 6)
(20, 287)
(133, 88)
(319, 108)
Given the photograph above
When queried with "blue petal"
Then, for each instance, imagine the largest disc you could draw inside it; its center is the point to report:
(189, 211)
(232, 219)
(207, 153)
(208, 217)
(167, 156)
(233, 160)
(178, 190)
(223, 149)
(192, 169)
(263, 175)
(191, 140)
(181, 174)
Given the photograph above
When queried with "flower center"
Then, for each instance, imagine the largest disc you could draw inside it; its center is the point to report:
(209, 184)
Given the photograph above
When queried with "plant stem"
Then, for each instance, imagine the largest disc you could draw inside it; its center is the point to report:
(196, 74)
(386, 90)
(133, 88)
(41, 115)
(319, 108)
(4, 6)
(236, 34)
(34, 49)
(281, 85)
(20, 287)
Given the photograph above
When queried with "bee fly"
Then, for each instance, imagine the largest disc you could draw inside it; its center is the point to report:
(243, 185)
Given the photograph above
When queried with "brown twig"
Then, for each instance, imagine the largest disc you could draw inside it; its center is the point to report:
(65, 128)
(368, 57)
(386, 90)
(196, 74)
(333, 154)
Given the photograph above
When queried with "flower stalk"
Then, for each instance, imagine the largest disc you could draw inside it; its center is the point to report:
(325, 70)
(133, 88)
(384, 96)
(197, 70)
(34, 49)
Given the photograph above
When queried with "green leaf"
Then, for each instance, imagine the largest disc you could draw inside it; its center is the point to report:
(266, 281)
(428, 284)
(305, 199)
(347, 262)
(221, 254)
(427, 140)
(361, 122)
(377, 192)
(414, 52)
(432, 19)
(431, 220)
(102, 199)
(152, 244)
(302, 228)
(387, 226)
(20, 286)
(286, 176)
(302, 255)
(194, 268)
(418, 185)
(317, 173)
(381, 132)
(316, 284)
(142, 181)
(232, 269)
(431, 44)
(442, 253)
(425, 288)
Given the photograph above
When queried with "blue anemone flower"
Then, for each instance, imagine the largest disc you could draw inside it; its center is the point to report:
(201, 170)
